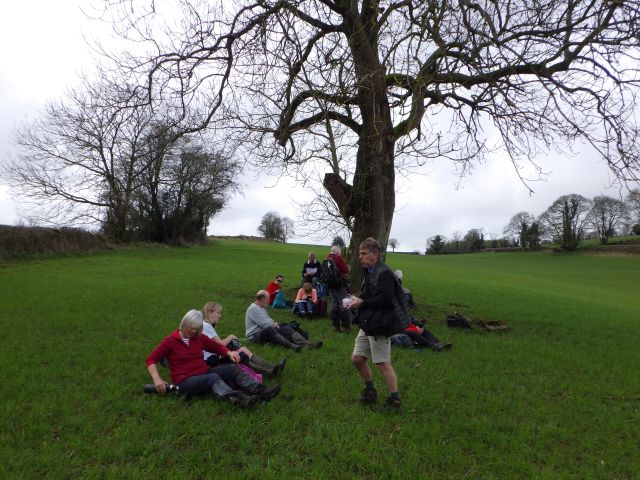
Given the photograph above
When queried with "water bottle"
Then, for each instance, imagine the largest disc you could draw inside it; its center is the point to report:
(151, 388)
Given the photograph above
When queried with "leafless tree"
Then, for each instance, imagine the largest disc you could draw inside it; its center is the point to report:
(565, 220)
(607, 215)
(81, 160)
(633, 204)
(523, 229)
(393, 243)
(387, 75)
(274, 227)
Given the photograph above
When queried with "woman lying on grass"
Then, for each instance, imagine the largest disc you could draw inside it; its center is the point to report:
(212, 313)
(183, 349)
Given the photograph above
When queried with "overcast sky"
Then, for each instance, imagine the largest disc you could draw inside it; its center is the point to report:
(44, 50)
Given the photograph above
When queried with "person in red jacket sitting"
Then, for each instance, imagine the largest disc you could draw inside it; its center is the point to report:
(274, 287)
(422, 337)
(183, 350)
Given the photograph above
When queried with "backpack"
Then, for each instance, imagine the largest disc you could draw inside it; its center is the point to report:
(457, 321)
(385, 321)
(279, 301)
(320, 310)
(331, 275)
(321, 289)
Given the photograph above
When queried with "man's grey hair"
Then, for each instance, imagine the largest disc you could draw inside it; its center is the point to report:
(335, 249)
(191, 319)
(372, 245)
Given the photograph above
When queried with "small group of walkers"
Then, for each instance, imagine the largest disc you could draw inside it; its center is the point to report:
(201, 362)
(307, 298)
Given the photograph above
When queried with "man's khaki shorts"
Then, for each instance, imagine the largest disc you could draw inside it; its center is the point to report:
(378, 349)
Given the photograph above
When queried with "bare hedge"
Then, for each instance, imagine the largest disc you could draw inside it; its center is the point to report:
(26, 241)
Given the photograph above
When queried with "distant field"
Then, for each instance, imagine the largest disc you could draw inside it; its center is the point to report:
(557, 396)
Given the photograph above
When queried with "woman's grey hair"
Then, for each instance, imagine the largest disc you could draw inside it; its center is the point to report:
(398, 274)
(192, 319)
(335, 249)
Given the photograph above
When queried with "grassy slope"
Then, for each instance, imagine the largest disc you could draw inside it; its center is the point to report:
(556, 397)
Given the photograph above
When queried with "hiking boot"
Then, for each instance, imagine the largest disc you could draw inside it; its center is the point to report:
(269, 393)
(392, 405)
(241, 399)
(442, 346)
(369, 396)
(313, 345)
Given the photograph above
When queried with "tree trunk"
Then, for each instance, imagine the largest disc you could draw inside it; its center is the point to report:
(372, 199)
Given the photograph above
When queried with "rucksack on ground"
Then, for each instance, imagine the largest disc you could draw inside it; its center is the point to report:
(457, 321)
(331, 274)
(279, 301)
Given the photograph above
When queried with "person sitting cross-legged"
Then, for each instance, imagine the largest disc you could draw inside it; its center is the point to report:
(305, 300)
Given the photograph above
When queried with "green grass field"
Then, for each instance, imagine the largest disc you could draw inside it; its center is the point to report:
(557, 396)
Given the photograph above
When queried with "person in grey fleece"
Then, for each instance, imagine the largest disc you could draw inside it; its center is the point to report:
(261, 328)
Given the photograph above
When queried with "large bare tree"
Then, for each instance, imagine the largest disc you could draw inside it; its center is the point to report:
(399, 81)
(81, 160)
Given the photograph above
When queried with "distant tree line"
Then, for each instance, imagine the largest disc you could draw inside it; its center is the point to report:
(568, 220)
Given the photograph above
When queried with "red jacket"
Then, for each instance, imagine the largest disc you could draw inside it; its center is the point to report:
(273, 288)
(185, 360)
(340, 263)
(412, 328)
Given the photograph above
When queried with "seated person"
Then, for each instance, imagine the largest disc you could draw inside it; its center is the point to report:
(183, 349)
(261, 328)
(305, 300)
(311, 270)
(274, 287)
(407, 292)
(212, 313)
(421, 337)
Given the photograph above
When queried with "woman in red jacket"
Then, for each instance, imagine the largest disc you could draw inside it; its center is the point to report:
(183, 350)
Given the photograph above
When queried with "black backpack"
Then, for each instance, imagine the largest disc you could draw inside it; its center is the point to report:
(385, 321)
(457, 321)
(331, 275)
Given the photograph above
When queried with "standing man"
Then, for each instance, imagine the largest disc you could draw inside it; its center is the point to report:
(378, 301)
(334, 271)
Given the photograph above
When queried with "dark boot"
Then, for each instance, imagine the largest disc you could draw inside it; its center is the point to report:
(345, 321)
(242, 400)
(335, 321)
(441, 346)
(312, 345)
(280, 340)
(249, 385)
(297, 338)
(224, 392)
(260, 365)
